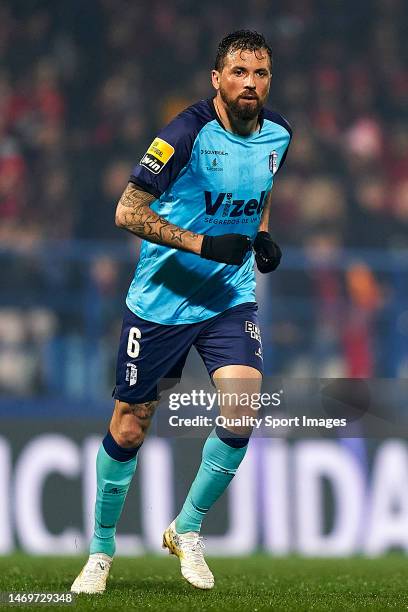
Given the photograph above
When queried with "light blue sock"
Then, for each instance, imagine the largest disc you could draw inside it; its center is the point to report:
(113, 480)
(222, 455)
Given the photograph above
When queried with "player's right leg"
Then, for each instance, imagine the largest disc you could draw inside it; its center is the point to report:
(115, 466)
(147, 352)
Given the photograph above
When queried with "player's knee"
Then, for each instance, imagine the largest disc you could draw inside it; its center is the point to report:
(131, 432)
(130, 436)
(132, 423)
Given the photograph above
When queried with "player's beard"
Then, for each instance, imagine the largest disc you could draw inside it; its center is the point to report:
(239, 108)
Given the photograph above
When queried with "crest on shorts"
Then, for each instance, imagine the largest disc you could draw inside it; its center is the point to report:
(273, 161)
(131, 374)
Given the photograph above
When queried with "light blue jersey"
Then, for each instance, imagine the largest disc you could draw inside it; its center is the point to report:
(209, 181)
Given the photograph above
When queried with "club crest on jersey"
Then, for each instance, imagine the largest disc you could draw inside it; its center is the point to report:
(157, 155)
(273, 161)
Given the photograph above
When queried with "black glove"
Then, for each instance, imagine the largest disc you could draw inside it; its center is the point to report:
(267, 252)
(229, 248)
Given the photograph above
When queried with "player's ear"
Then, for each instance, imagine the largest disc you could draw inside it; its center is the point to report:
(215, 79)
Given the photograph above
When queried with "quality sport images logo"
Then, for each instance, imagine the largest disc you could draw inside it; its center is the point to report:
(225, 209)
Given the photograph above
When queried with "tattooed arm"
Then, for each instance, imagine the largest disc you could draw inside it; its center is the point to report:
(134, 214)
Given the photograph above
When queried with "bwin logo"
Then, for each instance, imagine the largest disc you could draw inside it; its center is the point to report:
(233, 208)
(151, 163)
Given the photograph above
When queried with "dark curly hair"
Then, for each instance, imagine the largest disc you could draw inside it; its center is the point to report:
(243, 40)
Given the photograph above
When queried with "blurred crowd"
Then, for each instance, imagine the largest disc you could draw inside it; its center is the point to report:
(85, 85)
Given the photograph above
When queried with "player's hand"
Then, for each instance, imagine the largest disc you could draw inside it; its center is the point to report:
(267, 253)
(229, 248)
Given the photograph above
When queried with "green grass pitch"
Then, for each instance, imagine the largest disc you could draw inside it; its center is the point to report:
(252, 583)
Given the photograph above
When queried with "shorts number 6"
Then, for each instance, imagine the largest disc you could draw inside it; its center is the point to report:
(133, 346)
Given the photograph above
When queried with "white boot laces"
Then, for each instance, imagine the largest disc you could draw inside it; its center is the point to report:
(194, 546)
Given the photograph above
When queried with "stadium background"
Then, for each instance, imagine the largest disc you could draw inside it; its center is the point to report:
(84, 87)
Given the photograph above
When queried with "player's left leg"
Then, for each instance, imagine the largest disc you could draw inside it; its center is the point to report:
(225, 447)
(222, 455)
(233, 338)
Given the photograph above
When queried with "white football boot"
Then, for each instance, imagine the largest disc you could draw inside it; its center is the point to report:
(94, 574)
(188, 547)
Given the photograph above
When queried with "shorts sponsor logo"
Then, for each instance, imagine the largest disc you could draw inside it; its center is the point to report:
(253, 330)
(131, 374)
(157, 155)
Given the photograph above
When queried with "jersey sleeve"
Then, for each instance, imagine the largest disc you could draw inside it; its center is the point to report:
(168, 154)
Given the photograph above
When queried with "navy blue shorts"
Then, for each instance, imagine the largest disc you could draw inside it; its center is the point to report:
(150, 352)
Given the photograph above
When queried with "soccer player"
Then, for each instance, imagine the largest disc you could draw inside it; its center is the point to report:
(200, 200)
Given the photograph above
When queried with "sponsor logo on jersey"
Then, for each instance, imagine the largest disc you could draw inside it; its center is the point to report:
(157, 155)
(229, 207)
(216, 166)
(273, 161)
(212, 152)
